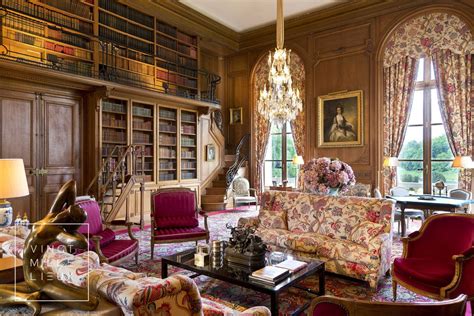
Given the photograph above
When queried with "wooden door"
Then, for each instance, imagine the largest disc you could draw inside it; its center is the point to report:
(59, 147)
(18, 136)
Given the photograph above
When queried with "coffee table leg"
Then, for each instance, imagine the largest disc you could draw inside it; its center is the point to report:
(322, 282)
(164, 269)
(274, 304)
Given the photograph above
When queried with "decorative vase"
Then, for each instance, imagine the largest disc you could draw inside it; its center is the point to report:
(6, 214)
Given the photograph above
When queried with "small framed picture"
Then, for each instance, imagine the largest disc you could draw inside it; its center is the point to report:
(236, 116)
(210, 152)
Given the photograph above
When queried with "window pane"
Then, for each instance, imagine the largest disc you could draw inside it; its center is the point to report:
(290, 147)
(435, 112)
(432, 75)
(439, 143)
(442, 171)
(272, 173)
(419, 75)
(276, 129)
(416, 114)
(291, 174)
(275, 149)
(410, 176)
(413, 144)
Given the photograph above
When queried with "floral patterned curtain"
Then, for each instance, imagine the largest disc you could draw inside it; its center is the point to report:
(430, 34)
(453, 73)
(262, 126)
(399, 83)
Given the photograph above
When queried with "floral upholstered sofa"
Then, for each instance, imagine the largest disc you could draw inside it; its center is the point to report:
(133, 293)
(351, 234)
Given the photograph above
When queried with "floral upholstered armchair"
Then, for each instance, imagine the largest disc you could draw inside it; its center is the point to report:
(243, 193)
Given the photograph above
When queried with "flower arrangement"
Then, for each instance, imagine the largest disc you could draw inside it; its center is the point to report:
(323, 174)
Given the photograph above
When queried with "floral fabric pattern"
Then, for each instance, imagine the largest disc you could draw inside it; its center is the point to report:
(17, 231)
(453, 75)
(358, 189)
(363, 233)
(426, 34)
(269, 219)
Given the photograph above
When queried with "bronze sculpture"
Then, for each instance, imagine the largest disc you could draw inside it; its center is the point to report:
(59, 225)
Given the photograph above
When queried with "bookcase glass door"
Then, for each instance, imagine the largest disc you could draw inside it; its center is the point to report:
(188, 150)
(144, 134)
(168, 144)
(114, 127)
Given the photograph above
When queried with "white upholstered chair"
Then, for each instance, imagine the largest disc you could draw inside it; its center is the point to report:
(242, 192)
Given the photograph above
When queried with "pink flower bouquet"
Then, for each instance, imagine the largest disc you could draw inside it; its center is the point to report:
(323, 174)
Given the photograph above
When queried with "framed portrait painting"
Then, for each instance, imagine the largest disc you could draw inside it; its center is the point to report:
(236, 116)
(210, 152)
(340, 119)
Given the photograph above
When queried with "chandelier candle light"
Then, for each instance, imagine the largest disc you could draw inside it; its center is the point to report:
(280, 103)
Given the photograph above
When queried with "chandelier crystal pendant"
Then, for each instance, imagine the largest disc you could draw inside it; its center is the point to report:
(279, 103)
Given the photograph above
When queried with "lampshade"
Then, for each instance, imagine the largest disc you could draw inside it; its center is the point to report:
(298, 160)
(12, 173)
(462, 162)
(390, 162)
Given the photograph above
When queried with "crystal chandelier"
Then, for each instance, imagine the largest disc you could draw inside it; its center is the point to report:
(279, 103)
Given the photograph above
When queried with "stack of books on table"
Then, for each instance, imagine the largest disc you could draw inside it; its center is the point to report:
(272, 275)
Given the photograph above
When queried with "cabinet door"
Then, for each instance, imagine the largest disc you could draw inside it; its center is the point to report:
(19, 130)
(59, 146)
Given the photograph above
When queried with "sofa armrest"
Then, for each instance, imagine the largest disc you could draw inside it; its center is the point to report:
(256, 311)
(462, 281)
(129, 225)
(248, 222)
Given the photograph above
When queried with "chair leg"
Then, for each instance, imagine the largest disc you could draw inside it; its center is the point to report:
(394, 289)
(136, 258)
(196, 243)
(152, 248)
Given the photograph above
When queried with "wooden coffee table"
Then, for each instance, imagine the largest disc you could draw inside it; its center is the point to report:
(239, 275)
(8, 266)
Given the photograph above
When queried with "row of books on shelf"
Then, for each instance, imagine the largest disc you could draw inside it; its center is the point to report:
(114, 107)
(186, 174)
(24, 24)
(124, 26)
(111, 135)
(129, 65)
(72, 6)
(137, 123)
(188, 117)
(166, 41)
(124, 40)
(188, 129)
(186, 38)
(188, 164)
(165, 28)
(67, 50)
(174, 78)
(42, 13)
(173, 67)
(68, 38)
(169, 114)
(272, 275)
(139, 137)
(126, 12)
(188, 154)
(167, 152)
(186, 92)
(113, 121)
(167, 139)
(146, 165)
(191, 51)
(167, 165)
(167, 128)
(173, 57)
(138, 110)
(107, 149)
(186, 141)
(71, 66)
(167, 176)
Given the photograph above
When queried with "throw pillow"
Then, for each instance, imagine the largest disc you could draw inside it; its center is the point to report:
(364, 232)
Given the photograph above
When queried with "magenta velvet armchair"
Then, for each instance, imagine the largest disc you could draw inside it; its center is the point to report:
(438, 260)
(102, 240)
(174, 217)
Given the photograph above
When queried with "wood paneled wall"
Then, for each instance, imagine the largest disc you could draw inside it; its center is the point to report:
(340, 55)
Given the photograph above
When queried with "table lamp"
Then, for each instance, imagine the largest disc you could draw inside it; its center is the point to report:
(390, 162)
(462, 162)
(298, 161)
(13, 184)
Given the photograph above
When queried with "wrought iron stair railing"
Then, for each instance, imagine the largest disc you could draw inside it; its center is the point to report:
(241, 156)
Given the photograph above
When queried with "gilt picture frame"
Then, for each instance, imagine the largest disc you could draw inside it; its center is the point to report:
(210, 152)
(236, 116)
(340, 119)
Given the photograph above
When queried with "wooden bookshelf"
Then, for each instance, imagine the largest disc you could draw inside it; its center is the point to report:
(188, 150)
(143, 133)
(114, 126)
(168, 144)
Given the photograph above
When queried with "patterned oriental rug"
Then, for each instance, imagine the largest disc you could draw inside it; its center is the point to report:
(241, 298)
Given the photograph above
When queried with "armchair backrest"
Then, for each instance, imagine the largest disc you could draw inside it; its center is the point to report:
(338, 306)
(460, 194)
(399, 191)
(174, 208)
(94, 219)
(443, 236)
(377, 194)
(241, 186)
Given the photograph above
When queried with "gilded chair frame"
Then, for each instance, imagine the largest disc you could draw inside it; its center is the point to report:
(198, 212)
(458, 262)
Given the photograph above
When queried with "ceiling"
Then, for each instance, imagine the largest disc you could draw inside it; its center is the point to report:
(244, 15)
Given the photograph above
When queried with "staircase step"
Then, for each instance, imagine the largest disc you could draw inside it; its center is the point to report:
(218, 198)
(208, 207)
(229, 163)
(219, 183)
(221, 176)
(229, 157)
(216, 191)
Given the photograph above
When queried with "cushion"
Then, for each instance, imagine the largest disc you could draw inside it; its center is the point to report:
(307, 214)
(435, 273)
(179, 233)
(118, 249)
(272, 219)
(175, 209)
(93, 223)
(364, 232)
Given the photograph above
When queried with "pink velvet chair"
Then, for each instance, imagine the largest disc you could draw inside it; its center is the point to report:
(338, 306)
(102, 240)
(438, 260)
(174, 217)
